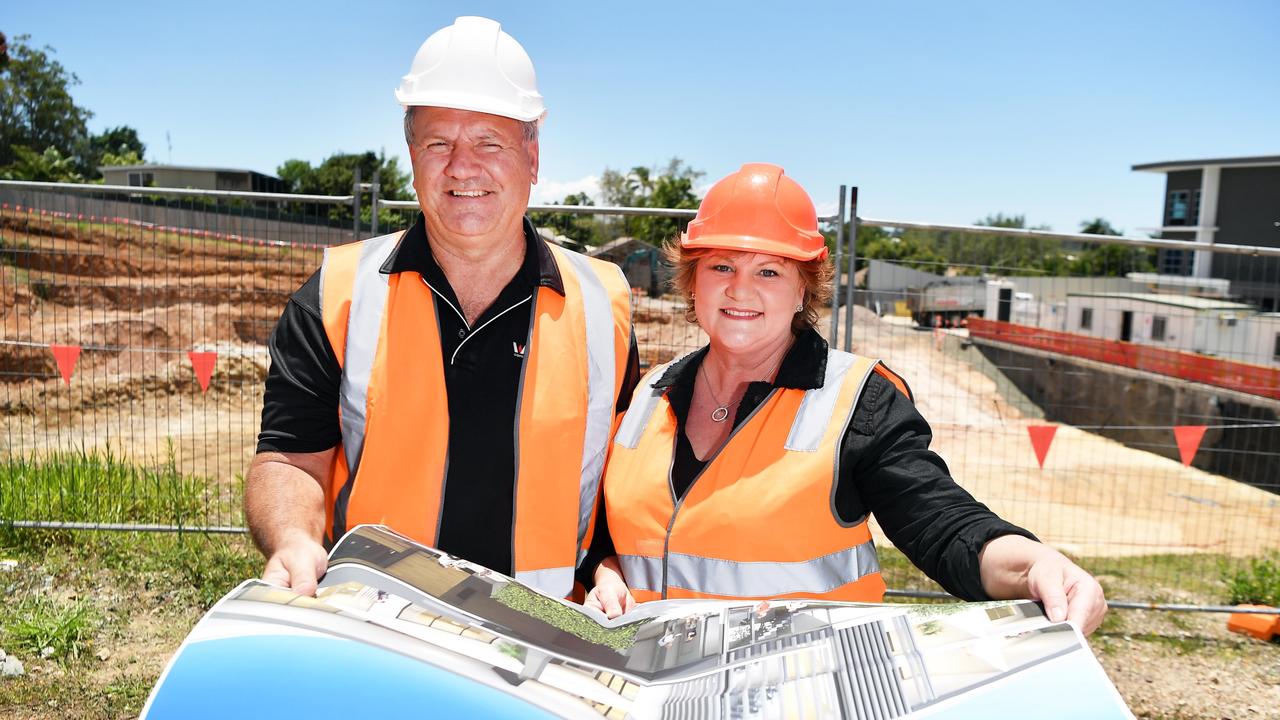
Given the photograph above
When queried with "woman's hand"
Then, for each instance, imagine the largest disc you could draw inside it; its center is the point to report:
(611, 595)
(1016, 567)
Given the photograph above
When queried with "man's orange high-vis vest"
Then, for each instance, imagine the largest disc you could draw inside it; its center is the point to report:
(391, 466)
(759, 521)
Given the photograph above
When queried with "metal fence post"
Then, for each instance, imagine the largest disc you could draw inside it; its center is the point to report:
(355, 205)
(853, 266)
(835, 295)
(373, 204)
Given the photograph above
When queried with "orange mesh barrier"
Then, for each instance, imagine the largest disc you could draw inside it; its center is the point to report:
(1244, 377)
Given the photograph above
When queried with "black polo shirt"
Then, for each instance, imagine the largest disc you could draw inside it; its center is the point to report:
(482, 364)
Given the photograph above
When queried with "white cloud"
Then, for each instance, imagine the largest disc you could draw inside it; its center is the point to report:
(830, 207)
(554, 191)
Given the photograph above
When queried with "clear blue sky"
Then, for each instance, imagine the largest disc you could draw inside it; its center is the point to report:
(939, 111)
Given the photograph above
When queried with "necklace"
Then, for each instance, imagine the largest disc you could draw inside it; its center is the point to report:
(721, 411)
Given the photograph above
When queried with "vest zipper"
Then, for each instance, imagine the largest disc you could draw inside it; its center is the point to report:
(679, 502)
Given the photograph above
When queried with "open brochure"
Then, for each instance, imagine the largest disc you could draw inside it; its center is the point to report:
(398, 629)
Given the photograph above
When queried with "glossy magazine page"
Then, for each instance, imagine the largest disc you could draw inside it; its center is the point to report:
(401, 629)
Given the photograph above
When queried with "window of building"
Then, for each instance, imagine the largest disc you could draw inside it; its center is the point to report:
(1158, 324)
(1179, 207)
(1174, 262)
(1195, 208)
(1275, 354)
(141, 179)
(1086, 318)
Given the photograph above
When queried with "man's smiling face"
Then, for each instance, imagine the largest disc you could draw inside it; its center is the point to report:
(472, 172)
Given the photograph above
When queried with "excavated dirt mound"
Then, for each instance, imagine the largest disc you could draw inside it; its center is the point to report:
(137, 301)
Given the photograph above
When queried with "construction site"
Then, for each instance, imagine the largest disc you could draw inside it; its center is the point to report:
(146, 341)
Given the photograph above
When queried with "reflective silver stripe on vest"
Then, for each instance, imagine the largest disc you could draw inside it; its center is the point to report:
(556, 582)
(602, 372)
(642, 573)
(364, 325)
(712, 576)
(643, 401)
(814, 416)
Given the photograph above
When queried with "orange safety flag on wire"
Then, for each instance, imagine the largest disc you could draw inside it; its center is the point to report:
(1041, 439)
(1188, 438)
(202, 363)
(66, 357)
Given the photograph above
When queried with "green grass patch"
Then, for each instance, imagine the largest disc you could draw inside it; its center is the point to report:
(190, 569)
(49, 629)
(72, 696)
(1198, 579)
(1256, 584)
(95, 486)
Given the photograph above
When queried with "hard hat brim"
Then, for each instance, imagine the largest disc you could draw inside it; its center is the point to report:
(751, 243)
(471, 103)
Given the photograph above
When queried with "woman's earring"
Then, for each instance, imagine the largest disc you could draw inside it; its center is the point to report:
(800, 307)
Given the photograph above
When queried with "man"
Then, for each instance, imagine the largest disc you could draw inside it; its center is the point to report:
(456, 381)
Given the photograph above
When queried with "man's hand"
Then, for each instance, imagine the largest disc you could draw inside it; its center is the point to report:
(284, 507)
(611, 595)
(1013, 566)
(299, 563)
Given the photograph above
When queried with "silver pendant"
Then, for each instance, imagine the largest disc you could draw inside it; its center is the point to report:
(719, 414)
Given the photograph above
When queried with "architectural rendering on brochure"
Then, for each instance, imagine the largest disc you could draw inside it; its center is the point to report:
(400, 628)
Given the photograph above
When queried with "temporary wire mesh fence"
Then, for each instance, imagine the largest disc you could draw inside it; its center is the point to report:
(1126, 417)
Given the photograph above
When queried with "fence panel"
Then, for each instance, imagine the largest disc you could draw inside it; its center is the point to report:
(1129, 418)
(133, 348)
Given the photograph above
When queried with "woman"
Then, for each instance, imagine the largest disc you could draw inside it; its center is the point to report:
(748, 468)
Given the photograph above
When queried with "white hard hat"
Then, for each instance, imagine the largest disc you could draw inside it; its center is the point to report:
(473, 65)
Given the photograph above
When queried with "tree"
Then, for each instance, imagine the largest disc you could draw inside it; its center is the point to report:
(36, 109)
(114, 146)
(335, 175)
(978, 253)
(43, 133)
(911, 248)
(1113, 259)
(48, 166)
(1098, 226)
(582, 229)
(669, 187)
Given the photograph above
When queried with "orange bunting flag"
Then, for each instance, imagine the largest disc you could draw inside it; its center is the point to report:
(1188, 437)
(66, 357)
(1041, 439)
(202, 363)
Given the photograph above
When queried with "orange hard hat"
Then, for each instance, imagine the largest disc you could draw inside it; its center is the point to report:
(757, 209)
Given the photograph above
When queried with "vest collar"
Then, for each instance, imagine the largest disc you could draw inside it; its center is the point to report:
(803, 368)
(413, 254)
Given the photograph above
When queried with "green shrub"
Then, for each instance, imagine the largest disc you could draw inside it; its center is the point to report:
(1258, 584)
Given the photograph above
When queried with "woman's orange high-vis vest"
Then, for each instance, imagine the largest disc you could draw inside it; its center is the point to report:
(759, 521)
(394, 412)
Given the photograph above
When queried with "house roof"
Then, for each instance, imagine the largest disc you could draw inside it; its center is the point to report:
(155, 166)
(1172, 165)
(1183, 301)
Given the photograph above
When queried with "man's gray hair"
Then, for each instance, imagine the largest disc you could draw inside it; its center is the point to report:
(527, 128)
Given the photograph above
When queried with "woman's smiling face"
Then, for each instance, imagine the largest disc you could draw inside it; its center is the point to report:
(745, 301)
